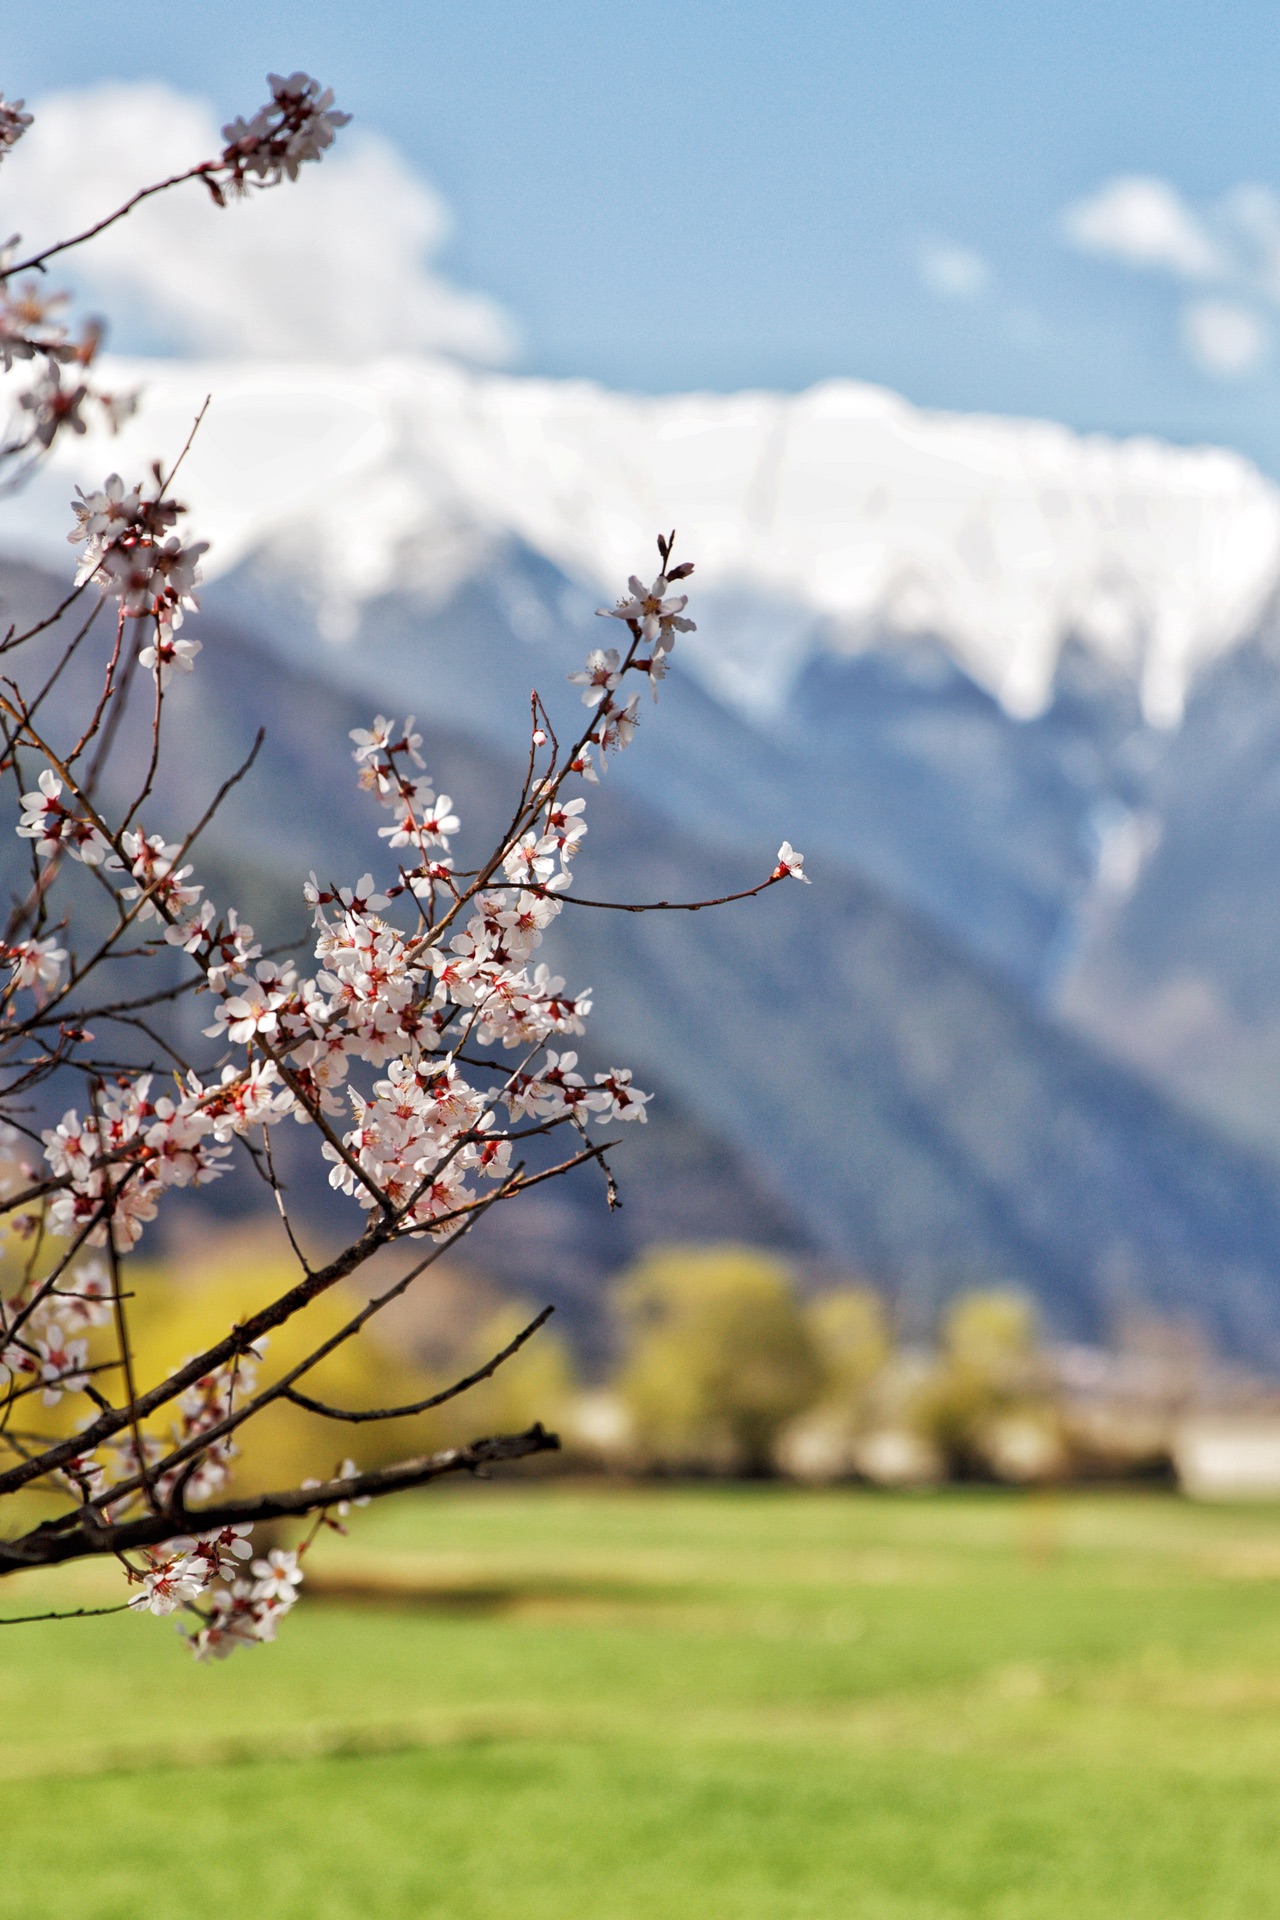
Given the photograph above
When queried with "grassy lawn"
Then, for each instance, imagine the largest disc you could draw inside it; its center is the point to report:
(595, 1704)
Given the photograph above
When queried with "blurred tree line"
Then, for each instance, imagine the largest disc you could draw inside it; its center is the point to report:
(721, 1366)
(728, 1369)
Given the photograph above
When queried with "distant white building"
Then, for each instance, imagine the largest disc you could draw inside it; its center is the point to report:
(1229, 1456)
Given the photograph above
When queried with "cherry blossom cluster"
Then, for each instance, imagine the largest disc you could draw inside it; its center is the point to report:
(13, 123)
(296, 125)
(423, 819)
(33, 327)
(203, 1407)
(162, 890)
(41, 1353)
(116, 1162)
(424, 1146)
(56, 827)
(190, 1567)
(41, 1332)
(248, 1611)
(130, 552)
(230, 1604)
(248, 1606)
(405, 1004)
(428, 1129)
(425, 1134)
(244, 1605)
(30, 321)
(654, 620)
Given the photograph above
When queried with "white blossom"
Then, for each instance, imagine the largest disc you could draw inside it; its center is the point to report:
(790, 864)
(277, 1578)
(62, 1363)
(35, 963)
(617, 1099)
(13, 123)
(600, 675)
(166, 889)
(658, 618)
(245, 1015)
(165, 653)
(374, 740)
(171, 1583)
(54, 826)
(53, 407)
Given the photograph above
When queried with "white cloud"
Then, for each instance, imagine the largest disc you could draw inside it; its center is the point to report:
(1144, 222)
(334, 265)
(1231, 248)
(952, 272)
(1251, 214)
(1224, 338)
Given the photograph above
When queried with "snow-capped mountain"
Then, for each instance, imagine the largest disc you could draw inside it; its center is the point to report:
(944, 650)
(987, 672)
(823, 521)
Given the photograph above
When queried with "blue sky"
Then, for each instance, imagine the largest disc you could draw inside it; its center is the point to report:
(666, 196)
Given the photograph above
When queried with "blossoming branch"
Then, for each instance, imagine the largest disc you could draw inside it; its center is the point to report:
(422, 1044)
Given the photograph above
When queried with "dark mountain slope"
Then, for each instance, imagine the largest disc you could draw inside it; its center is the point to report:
(890, 761)
(832, 1072)
(1181, 974)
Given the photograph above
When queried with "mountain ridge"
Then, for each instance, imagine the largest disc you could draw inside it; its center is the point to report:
(843, 512)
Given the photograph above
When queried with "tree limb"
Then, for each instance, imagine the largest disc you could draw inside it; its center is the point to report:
(44, 1546)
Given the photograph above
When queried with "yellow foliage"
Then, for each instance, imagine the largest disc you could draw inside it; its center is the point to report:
(851, 1333)
(987, 1376)
(720, 1356)
(992, 1329)
(177, 1312)
(180, 1307)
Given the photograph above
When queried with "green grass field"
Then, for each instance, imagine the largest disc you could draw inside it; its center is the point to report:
(602, 1704)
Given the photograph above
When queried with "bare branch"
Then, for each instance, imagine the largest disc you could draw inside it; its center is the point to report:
(38, 261)
(43, 1547)
(658, 906)
(485, 1372)
(75, 1613)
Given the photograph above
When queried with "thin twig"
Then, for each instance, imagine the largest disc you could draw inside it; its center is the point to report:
(485, 1372)
(653, 906)
(34, 260)
(76, 1613)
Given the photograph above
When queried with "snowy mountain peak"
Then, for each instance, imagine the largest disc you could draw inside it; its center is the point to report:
(829, 518)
